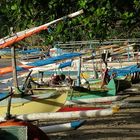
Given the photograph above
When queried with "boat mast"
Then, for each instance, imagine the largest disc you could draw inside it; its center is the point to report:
(79, 72)
(13, 54)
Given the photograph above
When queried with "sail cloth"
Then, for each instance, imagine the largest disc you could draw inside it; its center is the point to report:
(125, 70)
(39, 63)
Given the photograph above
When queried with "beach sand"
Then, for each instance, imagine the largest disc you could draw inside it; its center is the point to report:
(123, 125)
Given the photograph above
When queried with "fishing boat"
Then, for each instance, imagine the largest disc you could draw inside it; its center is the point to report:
(93, 93)
(34, 101)
(82, 94)
(37, 101)
(133, 71)
(89, 93)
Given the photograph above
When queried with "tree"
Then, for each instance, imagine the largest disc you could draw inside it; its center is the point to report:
(103, 19)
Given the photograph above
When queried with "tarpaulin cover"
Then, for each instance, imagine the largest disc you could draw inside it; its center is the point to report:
(30, 51)
(125, 70)
(51, 60)
(65, 64)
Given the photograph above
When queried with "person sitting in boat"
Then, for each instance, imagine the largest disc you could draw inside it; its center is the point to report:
(62, 77)
(57, 79)
(54, 80)
(69, 81)
(105, 77)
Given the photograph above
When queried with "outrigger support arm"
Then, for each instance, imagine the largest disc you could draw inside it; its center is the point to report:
(16, 37)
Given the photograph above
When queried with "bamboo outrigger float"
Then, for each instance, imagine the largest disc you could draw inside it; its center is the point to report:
(62, 127)
(67, 115)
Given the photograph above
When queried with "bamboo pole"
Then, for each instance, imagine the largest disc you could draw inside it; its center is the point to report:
(96, 100)
(15, 81)
(68, 115)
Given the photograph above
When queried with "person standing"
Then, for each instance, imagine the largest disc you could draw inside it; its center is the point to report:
(105, 55)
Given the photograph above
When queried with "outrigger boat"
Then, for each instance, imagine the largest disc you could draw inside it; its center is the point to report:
(36, 101)
(29, 102)
(133, 71)
(39, 101)
(83, 94)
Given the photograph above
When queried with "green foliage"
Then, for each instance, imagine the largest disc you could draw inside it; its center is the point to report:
(103, 19)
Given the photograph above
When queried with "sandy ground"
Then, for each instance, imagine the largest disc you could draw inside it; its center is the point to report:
(124, 125)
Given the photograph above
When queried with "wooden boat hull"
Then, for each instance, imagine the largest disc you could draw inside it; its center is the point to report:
(123, 83)
(109, 90)
(37, 103)
(76, 93)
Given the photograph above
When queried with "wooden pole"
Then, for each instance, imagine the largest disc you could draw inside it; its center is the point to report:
(79, 72)
(8, 115)
(15, 81)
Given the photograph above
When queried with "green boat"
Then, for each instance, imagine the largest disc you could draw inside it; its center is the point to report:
(81, 93)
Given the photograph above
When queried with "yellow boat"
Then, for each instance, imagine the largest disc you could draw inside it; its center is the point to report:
(38, 102)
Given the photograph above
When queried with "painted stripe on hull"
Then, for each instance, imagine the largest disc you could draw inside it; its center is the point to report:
(68, 109)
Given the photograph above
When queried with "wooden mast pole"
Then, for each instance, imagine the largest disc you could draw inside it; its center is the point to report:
(13, 54)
